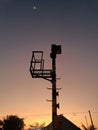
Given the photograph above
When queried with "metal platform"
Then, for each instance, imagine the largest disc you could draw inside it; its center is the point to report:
(37, 66)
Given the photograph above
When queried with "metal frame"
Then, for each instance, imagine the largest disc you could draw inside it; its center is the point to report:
(39, 72)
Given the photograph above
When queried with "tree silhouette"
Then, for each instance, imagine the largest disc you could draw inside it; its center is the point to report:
(1, 124)
(37, 125)
(13, 122)
(89, 128)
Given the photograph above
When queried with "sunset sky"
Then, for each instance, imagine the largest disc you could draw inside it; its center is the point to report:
(30, 25)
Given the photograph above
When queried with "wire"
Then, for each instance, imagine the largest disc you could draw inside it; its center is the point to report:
(47, 114)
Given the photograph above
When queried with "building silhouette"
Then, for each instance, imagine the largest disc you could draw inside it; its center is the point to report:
(62, 123)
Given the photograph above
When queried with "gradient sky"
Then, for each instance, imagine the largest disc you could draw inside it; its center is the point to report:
(73, 24)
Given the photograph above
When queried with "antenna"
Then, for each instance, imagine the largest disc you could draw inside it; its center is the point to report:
(92, 125)
(37, 71)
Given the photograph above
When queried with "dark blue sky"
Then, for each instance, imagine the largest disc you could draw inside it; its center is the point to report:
(51, 18)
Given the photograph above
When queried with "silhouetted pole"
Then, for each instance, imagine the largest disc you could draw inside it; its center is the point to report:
(91, 120)
(54, 100)
(47, 74)
(55, 49)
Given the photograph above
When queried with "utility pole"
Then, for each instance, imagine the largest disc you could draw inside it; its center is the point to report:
(37, 71)
(54, 51)
(93, 128)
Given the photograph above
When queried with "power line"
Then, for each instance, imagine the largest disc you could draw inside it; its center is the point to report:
(48, 114)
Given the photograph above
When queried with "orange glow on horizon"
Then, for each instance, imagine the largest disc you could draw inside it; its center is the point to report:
(33, 121)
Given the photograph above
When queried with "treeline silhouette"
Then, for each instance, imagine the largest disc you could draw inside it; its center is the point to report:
(12, 122)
